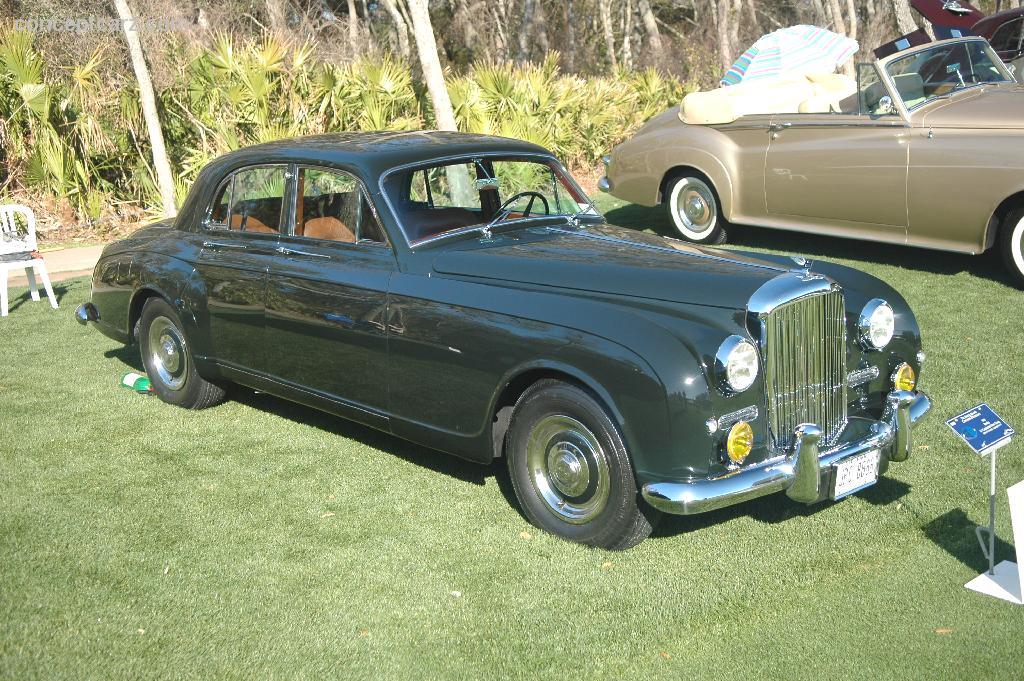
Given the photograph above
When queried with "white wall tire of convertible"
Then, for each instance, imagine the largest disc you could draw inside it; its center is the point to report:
(1012, 245)
(694, 209)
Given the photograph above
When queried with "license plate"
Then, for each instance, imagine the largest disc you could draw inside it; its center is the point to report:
(856, 473)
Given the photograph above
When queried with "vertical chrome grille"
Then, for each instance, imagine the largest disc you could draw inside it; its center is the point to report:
(804, 346)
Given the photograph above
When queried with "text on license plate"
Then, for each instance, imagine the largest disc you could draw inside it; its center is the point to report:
(856, 473)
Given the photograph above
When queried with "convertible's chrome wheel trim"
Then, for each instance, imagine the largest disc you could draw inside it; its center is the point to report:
(569, 468)
(1016, 248)
(694, 209)
(167, 353)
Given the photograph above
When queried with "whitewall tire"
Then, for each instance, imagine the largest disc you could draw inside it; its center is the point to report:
(694, 209)
(1012, 245)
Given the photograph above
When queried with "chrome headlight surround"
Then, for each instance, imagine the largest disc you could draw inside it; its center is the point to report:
(736, 364)
(877, 324)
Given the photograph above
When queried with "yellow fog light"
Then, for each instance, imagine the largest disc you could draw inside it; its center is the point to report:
(904, 378)
(740, 442)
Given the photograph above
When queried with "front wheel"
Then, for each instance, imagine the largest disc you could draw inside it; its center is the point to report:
(168, 359)
(1012, 246)
(694, 210)
(571, 471)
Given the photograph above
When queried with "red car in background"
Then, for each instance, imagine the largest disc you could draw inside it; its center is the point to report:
(1002, 29)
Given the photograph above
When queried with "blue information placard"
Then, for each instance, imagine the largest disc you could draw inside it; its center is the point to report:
(981, 428)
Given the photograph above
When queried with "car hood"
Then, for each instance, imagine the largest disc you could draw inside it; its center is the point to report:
(610, 260)
(991, 106)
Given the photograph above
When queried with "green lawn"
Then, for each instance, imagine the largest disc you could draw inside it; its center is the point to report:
(264, 538)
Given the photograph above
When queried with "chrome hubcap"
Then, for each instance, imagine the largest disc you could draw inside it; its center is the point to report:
(695, 207)
(167, 353)
(569, 468)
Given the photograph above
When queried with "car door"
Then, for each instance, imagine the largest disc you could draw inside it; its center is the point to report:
(327, 295)
(239, 241)
(848, 166)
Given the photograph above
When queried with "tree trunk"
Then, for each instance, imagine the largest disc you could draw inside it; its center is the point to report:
(353, 23)
(851, 12)
(525, 31)
(904, 17)
(400, 27)
(433, 75)
(836, 14)
(605, 12)
(819, 11)
(147, 100)
(651, 27)
(627, 35)
(570, 37)
(726, 47)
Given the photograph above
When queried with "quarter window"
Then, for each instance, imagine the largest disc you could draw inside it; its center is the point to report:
(1007, 37)
(221, 204)
(257, 198)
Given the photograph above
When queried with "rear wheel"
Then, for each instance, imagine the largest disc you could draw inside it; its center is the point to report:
(1012, 236)
(168, 359)
(571, 470)
(694, 209)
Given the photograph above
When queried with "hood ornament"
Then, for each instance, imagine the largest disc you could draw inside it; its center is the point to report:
(802, 263)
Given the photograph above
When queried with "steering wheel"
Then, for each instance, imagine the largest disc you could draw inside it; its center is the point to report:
(506, 207)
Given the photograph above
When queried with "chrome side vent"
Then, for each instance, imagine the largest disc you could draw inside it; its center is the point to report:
(803, 346)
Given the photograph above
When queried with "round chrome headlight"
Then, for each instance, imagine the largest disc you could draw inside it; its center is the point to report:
(877, 324)
(736, 364)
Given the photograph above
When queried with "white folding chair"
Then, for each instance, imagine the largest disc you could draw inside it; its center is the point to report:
(17, 243)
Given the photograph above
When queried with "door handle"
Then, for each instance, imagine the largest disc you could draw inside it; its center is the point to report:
(292, 251)
(775, 127)
(220, 245)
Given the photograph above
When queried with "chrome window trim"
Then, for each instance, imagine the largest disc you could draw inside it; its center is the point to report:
(891, 84)
(206, 224)
(443, 160)
(299, 167)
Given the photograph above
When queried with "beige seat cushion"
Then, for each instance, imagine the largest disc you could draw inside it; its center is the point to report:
(331, 229)
(817, 93)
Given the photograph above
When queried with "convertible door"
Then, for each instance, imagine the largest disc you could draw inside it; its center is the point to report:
(839, 167)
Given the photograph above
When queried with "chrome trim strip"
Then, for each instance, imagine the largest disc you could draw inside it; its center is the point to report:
(745, 414)
(862, 376)
(891, 436)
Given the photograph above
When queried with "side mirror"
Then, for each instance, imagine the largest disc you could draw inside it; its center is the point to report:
(885, 105)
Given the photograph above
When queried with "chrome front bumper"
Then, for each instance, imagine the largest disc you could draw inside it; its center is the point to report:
(804, 472)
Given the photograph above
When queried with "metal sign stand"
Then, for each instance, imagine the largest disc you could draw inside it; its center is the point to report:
(986, 433)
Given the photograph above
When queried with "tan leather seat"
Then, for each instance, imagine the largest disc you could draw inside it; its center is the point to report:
(329, 228)
(252, 224)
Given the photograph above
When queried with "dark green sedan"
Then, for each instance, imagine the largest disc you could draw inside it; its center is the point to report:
(462, 292)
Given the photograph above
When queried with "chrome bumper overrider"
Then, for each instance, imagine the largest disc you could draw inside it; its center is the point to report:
(85, 313)
(604, 185)
(800, 473)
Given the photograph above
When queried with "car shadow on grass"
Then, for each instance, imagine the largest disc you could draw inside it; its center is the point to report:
(986, 266)
(431, 459)
(953, 532)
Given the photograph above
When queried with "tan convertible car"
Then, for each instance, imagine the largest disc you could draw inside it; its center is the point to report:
(925, 148)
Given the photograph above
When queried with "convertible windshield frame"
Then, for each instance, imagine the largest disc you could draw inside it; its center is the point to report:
(545, 159)
(884, 64)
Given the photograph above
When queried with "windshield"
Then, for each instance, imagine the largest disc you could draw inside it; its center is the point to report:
(940, 70)
(458, 196)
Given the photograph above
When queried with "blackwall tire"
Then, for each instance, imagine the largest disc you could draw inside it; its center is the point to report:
(571, 470)
(168, 359)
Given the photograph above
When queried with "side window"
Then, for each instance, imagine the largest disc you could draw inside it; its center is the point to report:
(1007, 37)
(221, 203)
(257, 199)
(448, 186)
(331, 206)
(870, 90)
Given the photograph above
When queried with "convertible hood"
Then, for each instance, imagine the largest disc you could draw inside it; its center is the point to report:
(611, 260)
(994, 106)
